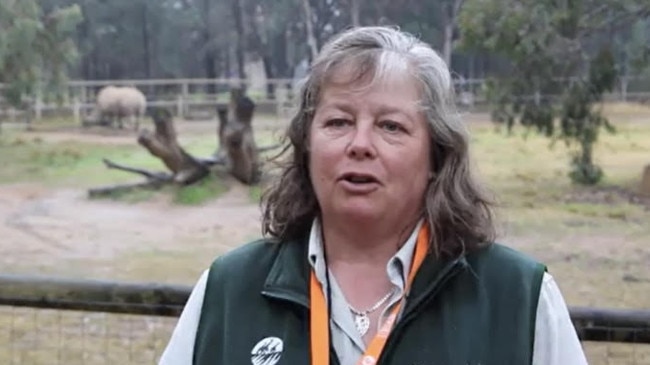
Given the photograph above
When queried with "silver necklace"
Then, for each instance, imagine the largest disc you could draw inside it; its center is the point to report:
(361, 319)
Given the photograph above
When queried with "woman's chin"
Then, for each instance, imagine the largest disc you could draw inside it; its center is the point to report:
(359, 212)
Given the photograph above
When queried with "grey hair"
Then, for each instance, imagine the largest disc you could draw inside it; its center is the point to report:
(457, 209)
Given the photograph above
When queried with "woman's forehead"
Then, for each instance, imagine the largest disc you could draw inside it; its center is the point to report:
(385, 68)
(397, 89)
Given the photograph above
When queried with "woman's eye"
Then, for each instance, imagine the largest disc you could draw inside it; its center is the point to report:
(392, 127)
(337, 122)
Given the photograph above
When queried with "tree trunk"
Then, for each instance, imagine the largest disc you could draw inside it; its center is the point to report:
(263, 48)
(354, 13)
(309, 26)
(210, 65)
(268, 70)
(222, 114)
(83, 35)
(210, 57)
(447, 42)
(241, 34)
(236, 138)
(624, 83)
(163, 144)
(146, 48)
(451, 11)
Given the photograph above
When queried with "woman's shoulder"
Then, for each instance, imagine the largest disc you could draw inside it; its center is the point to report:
(259, 256)
(501, 261)
(501, 254)
(247, 268)
(251, 252)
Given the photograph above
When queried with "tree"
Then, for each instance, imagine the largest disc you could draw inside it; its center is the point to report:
(561, 64)
(632, 45)
(35, 48)
(309, 29)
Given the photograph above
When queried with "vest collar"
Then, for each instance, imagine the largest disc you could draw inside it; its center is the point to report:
(288, 278)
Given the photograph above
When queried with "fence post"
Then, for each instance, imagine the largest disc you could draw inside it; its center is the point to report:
(83, 94)
(185, 91)
(75, 110)
(624, 82)
(38, 106)
(179, 106)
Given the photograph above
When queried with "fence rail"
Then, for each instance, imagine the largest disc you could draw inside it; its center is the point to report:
(592, 324)
(274, 95)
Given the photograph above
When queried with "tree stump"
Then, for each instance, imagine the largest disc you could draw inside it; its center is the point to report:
(236, 140)
(237, 150)
(222, 114)
(644, 187)
(163, 144)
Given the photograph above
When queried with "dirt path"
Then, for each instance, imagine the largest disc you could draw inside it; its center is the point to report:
(39, 225)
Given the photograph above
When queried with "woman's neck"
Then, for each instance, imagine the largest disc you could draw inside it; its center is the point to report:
(346, 242)
(357, 257)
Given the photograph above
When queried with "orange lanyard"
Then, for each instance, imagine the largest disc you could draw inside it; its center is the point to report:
(319, 333)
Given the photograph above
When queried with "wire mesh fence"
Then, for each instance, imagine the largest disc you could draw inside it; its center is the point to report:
(45, 336)
(50, 321)
(55, 337)
(613, 353)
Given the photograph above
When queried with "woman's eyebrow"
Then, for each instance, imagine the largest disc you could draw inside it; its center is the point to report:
(339, 105)
(388, 109)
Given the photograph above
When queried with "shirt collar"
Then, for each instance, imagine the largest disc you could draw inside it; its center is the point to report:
(397, 267)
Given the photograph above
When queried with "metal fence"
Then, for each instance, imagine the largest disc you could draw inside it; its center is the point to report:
(35, 336)
(54, 321)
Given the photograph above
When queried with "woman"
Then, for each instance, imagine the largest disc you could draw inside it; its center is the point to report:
(381, 242)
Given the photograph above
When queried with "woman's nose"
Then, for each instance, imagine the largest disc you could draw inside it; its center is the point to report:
(361, 144)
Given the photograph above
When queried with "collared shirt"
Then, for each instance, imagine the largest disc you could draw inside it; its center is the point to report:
(347, 341)
(556, 341)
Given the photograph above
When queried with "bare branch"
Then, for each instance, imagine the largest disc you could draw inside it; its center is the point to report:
(613, 23)
(158, 176)
(268, 148)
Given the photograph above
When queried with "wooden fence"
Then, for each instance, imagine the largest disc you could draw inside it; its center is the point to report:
(197, 98)
(46, 320)
(592, 324)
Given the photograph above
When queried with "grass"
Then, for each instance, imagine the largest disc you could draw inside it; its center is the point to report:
(66, 163)
(72, 162)
(198, 193)
(589, 245)
(529, 169)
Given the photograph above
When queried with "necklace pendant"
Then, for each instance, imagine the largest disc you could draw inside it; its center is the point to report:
(362, 322)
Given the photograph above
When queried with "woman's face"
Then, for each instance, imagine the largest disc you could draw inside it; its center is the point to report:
(369, 151)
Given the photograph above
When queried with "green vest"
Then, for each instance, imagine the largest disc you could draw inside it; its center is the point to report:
(478, 309)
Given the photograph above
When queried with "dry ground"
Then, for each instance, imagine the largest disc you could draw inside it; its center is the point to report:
(596, 242)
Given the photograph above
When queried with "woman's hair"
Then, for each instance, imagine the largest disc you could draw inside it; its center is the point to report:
(456, 208)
